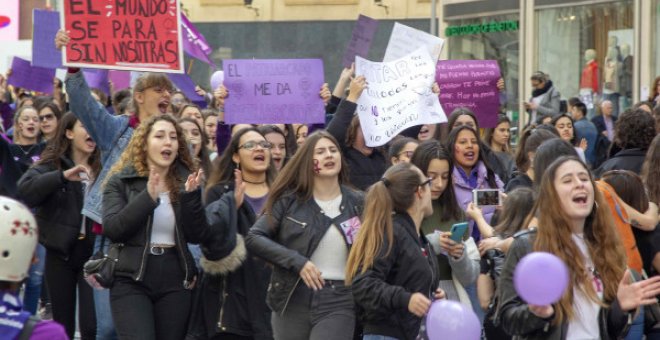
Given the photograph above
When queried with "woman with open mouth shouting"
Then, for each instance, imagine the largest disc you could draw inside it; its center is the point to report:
(151, 209)
(55, 187)
(309, 224)
(230, 302)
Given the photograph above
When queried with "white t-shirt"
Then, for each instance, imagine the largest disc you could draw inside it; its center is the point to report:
(584, 325)
(162, 230)
(331, 254)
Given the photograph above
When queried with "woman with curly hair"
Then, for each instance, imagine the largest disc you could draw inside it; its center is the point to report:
(150, 211)
(600, 300)
(633, 133)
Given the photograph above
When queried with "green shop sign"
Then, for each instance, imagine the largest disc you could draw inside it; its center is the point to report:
(487, 27)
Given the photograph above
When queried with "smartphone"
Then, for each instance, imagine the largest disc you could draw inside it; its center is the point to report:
(486, 197)
(457, 231)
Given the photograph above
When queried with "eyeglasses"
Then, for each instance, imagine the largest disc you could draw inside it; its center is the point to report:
(408, 154)
(49, 116)
(251, 145)
(427, 182)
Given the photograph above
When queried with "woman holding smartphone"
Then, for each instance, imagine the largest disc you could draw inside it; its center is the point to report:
(153, 211)
(392, 267)
(600, 300)
(310, 220)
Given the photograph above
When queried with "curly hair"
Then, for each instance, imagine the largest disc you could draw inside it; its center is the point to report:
(135, 154)
(634, 129)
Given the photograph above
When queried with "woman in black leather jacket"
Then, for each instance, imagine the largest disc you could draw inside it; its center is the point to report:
(151, 215)
(54, 188)
(311, 218)
(600, 301)
(392, 267)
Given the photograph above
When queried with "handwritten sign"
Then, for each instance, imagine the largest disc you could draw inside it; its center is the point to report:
(274, 91)
(399, 96)
(405, 39)
(471, 84)
(31, 77)
(363, 34)
(45, 26)
(141, 35)
(9, 20)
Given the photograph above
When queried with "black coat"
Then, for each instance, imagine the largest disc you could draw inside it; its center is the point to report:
(127, 218)
(629, 159)
(363, 171)
(516, 319)
(288, 237)
(599, 121)
(57, 203)
(382, 292)
(231, 296)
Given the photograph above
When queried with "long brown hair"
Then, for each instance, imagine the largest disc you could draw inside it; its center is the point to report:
(135, 154)
(60, 145)
(395, 192)
(489, 132)
(554, 236)
(297, 177)
(651, 170)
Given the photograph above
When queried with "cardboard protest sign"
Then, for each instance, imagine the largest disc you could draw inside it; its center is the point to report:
(31, 77)
(399, 95)
(274, 91)
(140, 35)
(405, 39)
(363, 34)
(471, 84)
(120, 79)
(45, 26)
(187, 86)
(98, 79)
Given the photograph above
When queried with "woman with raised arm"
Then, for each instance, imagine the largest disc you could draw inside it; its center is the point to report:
(150, 211)
(309, 224)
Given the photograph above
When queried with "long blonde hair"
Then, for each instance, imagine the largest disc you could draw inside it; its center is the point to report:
(394, 193)
(135, 154)
(554, 236)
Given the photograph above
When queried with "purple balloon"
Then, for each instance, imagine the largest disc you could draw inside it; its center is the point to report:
(452, 320)
(541, 278)
(216, 79)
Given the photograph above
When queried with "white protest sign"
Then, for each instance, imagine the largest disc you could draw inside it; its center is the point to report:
(398, 95)
(405, 39)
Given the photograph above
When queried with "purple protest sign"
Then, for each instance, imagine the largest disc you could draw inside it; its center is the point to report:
(44, 54)
(274, 91)
(471, 84)
(185, 85)
(120, 79)
(194, 43)
(363, 34)
(98, 79)
(30, 77)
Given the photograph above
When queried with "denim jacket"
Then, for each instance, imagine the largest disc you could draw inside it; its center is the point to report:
(111, 134)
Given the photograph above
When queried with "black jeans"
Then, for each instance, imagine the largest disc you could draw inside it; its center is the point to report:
(322, 315)
(156, 307)
(64, 277)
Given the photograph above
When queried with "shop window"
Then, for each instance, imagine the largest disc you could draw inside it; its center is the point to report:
(587, 51)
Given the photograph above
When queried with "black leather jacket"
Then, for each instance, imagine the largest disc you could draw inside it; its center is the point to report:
(515, 318)
(383, 292)
(289, 236)
(128, 216)
(57, 204)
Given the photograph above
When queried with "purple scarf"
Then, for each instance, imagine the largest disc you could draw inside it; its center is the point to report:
(12, 315)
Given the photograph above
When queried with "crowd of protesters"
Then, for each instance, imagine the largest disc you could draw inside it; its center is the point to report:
(293, 231)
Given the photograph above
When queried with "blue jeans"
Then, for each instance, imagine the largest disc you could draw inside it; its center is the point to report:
(636, 331)
(105, 327)
(34, 281)
(474, 300)
(377, 337)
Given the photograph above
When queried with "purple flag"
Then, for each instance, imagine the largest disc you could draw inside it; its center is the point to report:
(194, 43)
(185, 85)
(97, 78)
(30, 77)
(44, 53)
(120, 79)
(471, 84)
(363, 34)
(274, 91)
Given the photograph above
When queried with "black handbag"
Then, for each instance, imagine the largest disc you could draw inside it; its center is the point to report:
(101, 266)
